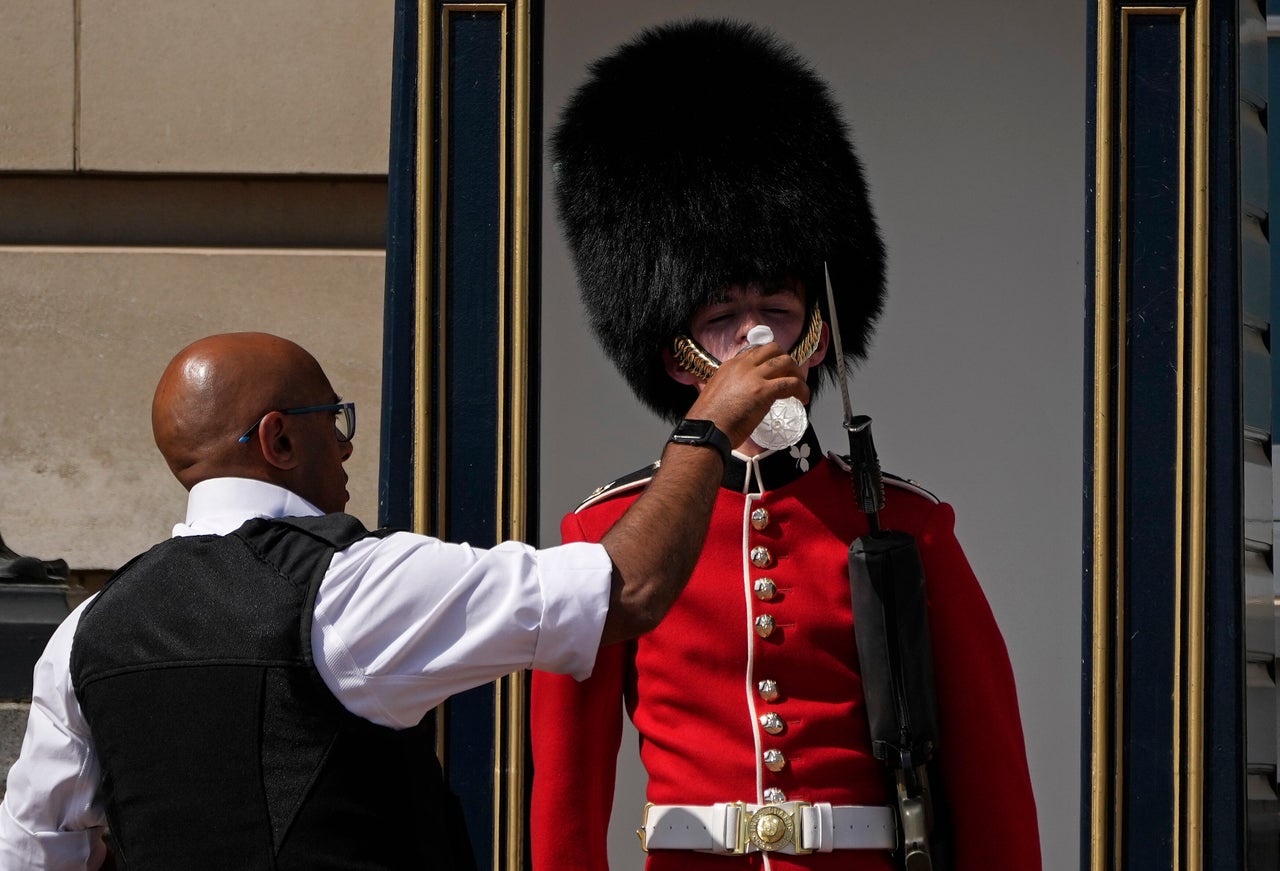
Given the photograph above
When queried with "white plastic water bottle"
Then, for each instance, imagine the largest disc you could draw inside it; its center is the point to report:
(786, 421)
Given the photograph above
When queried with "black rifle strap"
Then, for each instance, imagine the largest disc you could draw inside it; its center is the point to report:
(891, 629)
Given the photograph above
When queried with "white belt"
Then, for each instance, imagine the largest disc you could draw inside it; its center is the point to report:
(790, 827)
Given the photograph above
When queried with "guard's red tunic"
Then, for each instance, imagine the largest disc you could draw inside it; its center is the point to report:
(692, 689)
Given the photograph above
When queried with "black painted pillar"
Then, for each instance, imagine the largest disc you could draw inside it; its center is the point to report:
(460, 367)
(1173, 447)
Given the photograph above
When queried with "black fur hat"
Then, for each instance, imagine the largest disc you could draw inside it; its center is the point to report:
(699, 154)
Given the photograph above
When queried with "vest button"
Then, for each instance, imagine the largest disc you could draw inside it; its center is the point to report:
(761, 558)
(760, 518)
(765, 589)
(768, 689)
(764, 625)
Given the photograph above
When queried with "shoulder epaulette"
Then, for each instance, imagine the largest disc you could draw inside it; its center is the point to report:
(907, 484)
(910, 486)
(625, 484)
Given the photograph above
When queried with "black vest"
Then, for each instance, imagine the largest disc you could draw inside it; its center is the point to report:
(221, 747)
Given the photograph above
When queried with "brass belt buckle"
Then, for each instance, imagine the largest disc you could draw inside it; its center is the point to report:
(772, 828)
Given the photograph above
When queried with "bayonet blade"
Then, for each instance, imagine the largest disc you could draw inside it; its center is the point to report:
(868, 483)
(835, 340)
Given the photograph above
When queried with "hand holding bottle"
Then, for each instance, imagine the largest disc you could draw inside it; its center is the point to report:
(786, 421)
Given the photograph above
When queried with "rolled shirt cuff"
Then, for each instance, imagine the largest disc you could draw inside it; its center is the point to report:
(576, 581)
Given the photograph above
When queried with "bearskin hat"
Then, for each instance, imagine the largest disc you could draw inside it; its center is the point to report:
(700, 154)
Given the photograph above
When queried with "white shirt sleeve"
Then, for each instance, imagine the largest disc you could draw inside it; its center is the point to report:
(52, 815)
(401, 623)
(404, 622)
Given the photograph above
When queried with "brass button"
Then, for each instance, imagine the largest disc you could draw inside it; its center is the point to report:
(768, 689)
(764, 625)
(773, 795)
(765, 589)
(772, 723)
(774, 760)
(761, 558)
(760, 518)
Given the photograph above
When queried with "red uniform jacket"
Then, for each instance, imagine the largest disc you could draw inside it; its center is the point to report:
(691, 686)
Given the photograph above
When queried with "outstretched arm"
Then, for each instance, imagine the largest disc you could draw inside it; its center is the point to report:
(655, 545)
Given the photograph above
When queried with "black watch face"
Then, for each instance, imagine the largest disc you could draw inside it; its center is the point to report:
(693, 430)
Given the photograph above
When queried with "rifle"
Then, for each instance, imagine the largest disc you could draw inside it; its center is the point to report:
(891, 628)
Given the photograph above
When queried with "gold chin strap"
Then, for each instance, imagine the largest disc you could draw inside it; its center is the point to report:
(694, 359)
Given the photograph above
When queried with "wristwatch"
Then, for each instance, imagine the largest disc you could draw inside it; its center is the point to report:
(702, 432)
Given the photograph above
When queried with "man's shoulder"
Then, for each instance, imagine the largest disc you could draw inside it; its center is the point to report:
(897, 483)
(336, 530)
(910, 486)
(333, 528)
(630, 484)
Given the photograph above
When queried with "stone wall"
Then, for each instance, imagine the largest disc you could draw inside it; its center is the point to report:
(168, 171)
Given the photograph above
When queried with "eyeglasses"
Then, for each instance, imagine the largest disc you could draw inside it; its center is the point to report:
(344, 419)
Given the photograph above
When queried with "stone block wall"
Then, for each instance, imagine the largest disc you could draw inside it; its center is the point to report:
(168, 171)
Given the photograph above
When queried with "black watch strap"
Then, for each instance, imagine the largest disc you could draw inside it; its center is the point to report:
(702, 432)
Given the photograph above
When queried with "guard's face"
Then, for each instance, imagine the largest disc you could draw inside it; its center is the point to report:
(721, 327)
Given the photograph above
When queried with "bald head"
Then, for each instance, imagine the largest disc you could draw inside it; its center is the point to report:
(216, 388)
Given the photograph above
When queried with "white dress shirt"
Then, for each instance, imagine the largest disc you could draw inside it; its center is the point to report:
(401, 623)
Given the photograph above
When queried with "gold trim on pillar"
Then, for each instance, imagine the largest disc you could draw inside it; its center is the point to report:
(1109, 533)
(1102, 759)
(1197, 463)
(512, 711)
(428, 516)
(513, 343)
(424, 346)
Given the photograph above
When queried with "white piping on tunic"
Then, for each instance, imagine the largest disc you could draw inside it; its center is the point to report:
(751, 645)
(753, 470)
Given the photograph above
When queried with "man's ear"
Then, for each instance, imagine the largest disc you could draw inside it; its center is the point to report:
(673, 369)
(824, 343)
(276, 442)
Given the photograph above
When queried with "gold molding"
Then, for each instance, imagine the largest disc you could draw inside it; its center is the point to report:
(1101, 647)
(1198, 461)
(517, 418)
(1107, 788)
(423, 521)
(518, 422)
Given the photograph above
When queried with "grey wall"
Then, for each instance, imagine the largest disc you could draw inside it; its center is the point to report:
(970, 121)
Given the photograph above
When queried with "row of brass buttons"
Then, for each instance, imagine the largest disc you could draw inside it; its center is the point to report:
(765, 589)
